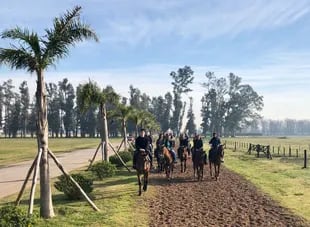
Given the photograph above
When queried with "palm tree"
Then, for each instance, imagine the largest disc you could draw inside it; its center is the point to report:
(90, 94)
(123, 112)
(35, 54)
(144, 119)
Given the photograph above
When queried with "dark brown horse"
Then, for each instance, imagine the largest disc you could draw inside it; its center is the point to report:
(143, 167)
(198, 157)
(183, 155)
(215, 157)
(168, 165)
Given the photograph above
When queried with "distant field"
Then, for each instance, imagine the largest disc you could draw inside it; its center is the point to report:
(282, 177)
(20, 149)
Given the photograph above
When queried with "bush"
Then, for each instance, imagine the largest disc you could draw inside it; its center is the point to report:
(126, 156)
(15, 216)
(66, 186)
(103, 169)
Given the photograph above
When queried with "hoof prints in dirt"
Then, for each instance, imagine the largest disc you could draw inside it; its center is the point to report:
(231, 201)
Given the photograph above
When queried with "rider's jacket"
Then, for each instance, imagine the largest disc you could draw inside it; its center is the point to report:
(142, 143)
(215, 141)
(198, 144)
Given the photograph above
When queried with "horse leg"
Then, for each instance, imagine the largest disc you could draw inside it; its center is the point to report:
(185, 165)
(181, 166)
(146, 176)
(202, 171)
(215, 171)
(210, 166)
(139, 182)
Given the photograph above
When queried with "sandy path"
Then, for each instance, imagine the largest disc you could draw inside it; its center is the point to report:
(12, 177)
(231, 201)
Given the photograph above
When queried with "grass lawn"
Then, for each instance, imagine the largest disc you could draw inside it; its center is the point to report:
(21, 149)
(282, 177)
(116, 197)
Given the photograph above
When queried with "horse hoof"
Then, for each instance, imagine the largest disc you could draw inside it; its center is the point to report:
(144, 188)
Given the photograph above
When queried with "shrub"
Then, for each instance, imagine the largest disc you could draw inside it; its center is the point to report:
(126, 156)
(103, 169)
(15, 216)
(66, 186)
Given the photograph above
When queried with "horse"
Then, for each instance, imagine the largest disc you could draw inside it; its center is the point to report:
(215, 158)
(160, 159)
(198, 157)
(143, 166)
(168, 164)
(183, 155)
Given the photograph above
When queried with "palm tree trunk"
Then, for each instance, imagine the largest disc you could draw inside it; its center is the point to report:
(46, 205)
(124, 134)
(105, 134)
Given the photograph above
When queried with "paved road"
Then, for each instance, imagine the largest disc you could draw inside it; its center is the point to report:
(12, 177)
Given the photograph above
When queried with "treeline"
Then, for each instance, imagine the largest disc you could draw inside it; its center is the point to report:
(227, 107)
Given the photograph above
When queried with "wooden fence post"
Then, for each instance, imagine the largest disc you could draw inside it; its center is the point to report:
(305, 159)
(290, 151)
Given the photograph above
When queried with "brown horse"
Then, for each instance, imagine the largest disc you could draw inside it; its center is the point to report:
(168, 165)
(198, 157)
(183, 155)
(143, 167)
(215, 158)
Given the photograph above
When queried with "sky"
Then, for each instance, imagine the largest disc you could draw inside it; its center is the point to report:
(264, 42)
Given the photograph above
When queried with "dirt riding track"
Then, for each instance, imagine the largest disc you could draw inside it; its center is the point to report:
(231, 201)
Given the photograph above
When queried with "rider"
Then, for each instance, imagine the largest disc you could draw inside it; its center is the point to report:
(141, 143)
(183, 141)
(149, 138)
(198, 146)
(215, 142)
(168, 143)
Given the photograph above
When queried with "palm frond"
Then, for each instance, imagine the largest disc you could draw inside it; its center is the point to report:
(67, 31)
(18, 59)
(27, 54)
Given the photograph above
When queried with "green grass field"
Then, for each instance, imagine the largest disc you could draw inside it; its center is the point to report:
(282, 177)
(20, 149)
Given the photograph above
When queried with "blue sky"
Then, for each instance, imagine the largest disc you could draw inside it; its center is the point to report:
(141, 42)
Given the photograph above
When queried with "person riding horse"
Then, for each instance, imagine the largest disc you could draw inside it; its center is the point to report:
(214, 143)
(198, 147)
(149, 137)
(141, 144)
(169, 143)
(184, 141)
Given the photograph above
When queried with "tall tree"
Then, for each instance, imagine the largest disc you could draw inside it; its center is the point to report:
(181, 80)
(243, 105)
(14, 123)
(54, 106)
(35, 54)
(67, 96)
(190, 125)
(213, 103)
(1, 105)
(8, 98)
(25, 106)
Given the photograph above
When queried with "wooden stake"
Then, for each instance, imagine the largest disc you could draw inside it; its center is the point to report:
(93, 159)
(119, 157)
(120, 146)
(73, 181)
(25, 182)
(34, 182)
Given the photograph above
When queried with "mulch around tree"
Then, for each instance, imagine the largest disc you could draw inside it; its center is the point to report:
(230, 201)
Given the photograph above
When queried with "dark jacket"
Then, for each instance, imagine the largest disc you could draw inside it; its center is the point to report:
(142, 143)
(215, 141)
